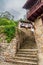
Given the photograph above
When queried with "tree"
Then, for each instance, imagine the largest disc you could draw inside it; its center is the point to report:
(7, 15)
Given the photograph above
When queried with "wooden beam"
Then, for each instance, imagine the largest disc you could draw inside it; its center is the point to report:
(35, 13)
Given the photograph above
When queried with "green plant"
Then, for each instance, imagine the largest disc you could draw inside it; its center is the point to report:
(4, 21)
(8, 27)
(10, 32)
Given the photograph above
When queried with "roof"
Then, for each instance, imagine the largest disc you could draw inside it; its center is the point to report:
(36, 12)
(29, 4)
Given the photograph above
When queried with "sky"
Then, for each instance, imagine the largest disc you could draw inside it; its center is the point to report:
(13, 6)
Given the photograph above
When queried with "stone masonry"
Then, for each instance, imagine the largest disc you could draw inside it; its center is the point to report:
(39, 38)
(8, 50)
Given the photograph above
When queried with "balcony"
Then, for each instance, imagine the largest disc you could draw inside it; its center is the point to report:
(35, 11)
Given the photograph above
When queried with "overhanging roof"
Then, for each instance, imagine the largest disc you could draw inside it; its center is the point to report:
(29, 4)
(36, 12)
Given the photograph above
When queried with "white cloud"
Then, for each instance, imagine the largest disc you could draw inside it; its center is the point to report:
(14, 5)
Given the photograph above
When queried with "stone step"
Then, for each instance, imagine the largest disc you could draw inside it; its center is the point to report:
(33, 53)
(26, 58)
(7, 63)
(22, 62)
(28, 50)
(26, 55)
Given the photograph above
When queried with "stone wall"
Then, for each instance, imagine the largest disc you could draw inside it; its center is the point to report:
(39, 38)
(21, 37)
(25, 36)
(8, 50)
(11, 49)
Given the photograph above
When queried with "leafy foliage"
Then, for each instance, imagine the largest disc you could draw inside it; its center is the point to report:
(10, 32)
(7, 15)
(8, 27)
(4, 21)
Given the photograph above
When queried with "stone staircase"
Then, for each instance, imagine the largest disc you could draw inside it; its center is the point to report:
(25, 57)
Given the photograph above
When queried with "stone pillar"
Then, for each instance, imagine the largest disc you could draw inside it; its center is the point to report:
(39, 38)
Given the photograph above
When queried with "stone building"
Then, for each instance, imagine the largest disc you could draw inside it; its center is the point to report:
(35, 14)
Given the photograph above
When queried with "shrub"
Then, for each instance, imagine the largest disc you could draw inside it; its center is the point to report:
(8, 27)
(10, 32)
